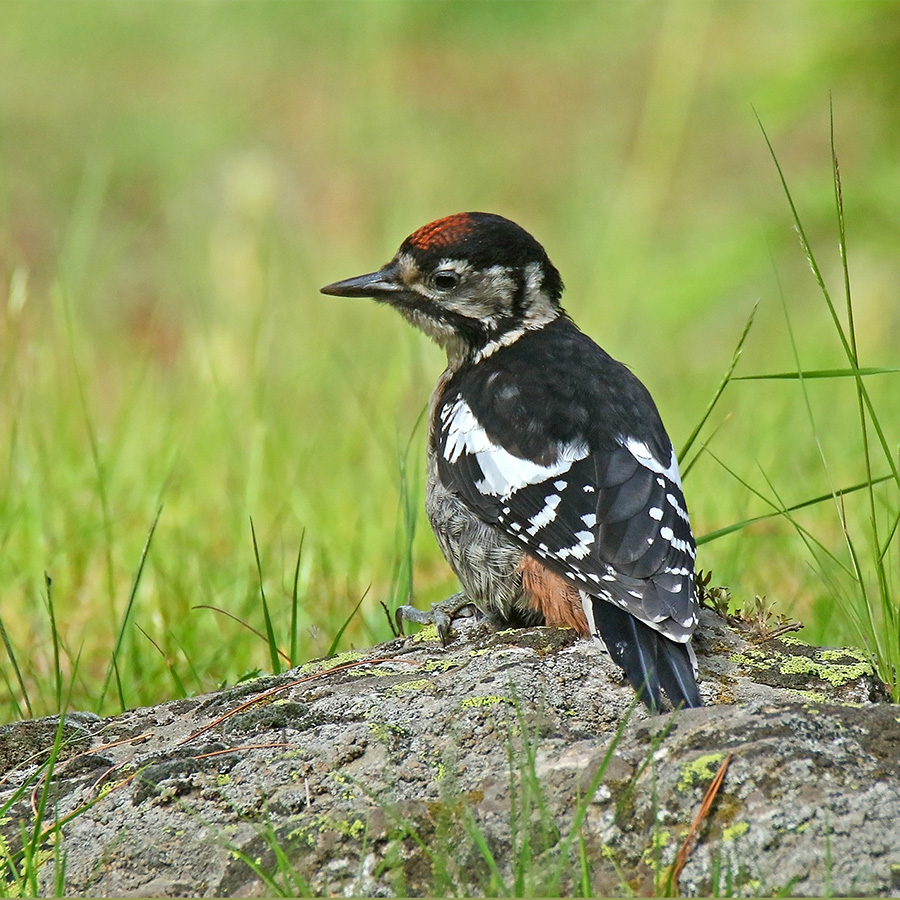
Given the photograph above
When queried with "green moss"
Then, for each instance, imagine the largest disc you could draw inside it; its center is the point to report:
(386, 731)
(792, 640)
(836, 674)
(291, 754)
(820, 697)
(369, 671)
(703, 768)
(740, 659)
(836, 655)
(796, 665)
(733, 832)
(658, 840)
(428, 633)
(471, 702)
(307, 832)
(441, 665)
(353, 829)
(843, 674)
(835, 666)
(322, 665)
(417, 685)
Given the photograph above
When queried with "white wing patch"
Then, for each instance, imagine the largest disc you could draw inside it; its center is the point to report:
(579, 551)
(679, 510)
(504, 474)
(642, 453)
(545, 516)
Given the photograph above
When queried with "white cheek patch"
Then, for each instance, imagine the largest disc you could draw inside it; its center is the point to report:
(504, 474)
(408, 269)
(477, 300)
(642, 453)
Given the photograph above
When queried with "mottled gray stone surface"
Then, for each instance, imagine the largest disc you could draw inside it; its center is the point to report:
(349, 770)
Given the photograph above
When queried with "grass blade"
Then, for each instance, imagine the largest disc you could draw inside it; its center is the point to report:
(822, 373)
(337, 638)
(243, 624)
(848, 348)
(295, 606)
(270, 629)
(11, 656)
(877, 624)
(722, 384)
(831, 495)
(54, 637)
(170, 666)
(129, 606)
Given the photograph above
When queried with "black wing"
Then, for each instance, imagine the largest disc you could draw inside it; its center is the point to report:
(563, 448)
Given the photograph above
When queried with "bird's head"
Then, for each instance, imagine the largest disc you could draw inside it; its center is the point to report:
(472, 281)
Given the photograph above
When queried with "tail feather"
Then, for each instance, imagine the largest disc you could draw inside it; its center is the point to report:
(652, 663)
(676, 673)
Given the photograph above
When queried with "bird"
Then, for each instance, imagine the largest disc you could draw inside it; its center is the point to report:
(553, 489)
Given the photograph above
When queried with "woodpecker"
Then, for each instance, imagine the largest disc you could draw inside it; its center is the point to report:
(552, 487)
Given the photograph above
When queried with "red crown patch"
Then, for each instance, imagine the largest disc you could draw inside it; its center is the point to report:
(442, 233)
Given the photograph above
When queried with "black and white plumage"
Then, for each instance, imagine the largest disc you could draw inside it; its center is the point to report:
(553, 488)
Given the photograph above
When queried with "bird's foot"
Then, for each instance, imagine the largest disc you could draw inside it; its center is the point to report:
(441, 615)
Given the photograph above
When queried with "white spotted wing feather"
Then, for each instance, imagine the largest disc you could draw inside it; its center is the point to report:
(611, 519)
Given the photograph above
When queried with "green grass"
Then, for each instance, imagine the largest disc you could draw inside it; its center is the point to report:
(176, 182)
(868, 586)
(40, 840)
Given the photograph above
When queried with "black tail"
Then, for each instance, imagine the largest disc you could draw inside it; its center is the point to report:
(652, 662)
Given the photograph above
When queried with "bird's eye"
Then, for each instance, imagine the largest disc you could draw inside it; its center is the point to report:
(445, 280)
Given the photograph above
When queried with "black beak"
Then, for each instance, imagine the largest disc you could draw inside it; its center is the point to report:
(378, 285)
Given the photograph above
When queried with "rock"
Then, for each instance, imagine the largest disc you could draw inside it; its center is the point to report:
(414, 769)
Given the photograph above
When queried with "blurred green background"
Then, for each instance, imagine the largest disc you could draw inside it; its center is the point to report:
(178, 179)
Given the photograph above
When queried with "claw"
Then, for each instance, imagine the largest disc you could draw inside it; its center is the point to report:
(441, 615)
